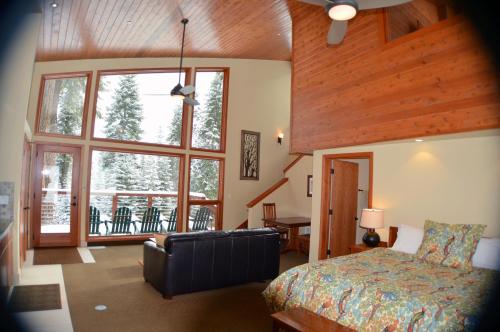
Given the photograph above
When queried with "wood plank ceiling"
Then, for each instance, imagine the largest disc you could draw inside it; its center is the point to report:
(437, 80)
(86, 29)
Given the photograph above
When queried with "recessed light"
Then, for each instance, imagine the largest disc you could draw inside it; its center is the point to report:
(100, 307)
(419, 140)
(129, 21)
(54, 5)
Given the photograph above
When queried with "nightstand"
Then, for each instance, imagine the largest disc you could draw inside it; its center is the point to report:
(360, 247)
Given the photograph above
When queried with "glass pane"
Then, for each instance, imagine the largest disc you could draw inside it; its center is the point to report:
(139, 108)
(62, 106)
(204, 179)
(207, 117)
(124, 186)
(56, 192)
(202, 217)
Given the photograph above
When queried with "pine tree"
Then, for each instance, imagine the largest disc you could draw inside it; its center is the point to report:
(209, 129)
(69, 119)
(124, 116)
(205, 173)
(175, 129)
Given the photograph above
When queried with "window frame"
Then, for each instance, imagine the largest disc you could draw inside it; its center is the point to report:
(185, 109)
(219, 202)
(225, 94)
(180, 191)
(44, 77)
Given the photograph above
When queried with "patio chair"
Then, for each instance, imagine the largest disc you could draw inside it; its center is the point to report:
(95, 221)
(201, 219)
(172, 221)
(121, 222)
(151, 222)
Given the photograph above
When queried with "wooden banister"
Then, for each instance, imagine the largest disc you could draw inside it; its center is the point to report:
(244, 225)
(267, 192)
(295, 161)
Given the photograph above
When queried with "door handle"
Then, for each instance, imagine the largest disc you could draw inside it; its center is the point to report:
(26, 208)
(74, 201)
(73, 204)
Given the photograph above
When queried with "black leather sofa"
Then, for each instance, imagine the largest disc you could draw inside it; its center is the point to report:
(196, 261)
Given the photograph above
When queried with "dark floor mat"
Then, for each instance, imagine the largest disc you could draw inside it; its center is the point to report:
(35, 298)
(44, 256)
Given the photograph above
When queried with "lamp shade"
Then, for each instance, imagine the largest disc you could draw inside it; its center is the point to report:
(372, 218)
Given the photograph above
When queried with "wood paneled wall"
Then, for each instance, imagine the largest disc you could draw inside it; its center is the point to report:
(436, 80)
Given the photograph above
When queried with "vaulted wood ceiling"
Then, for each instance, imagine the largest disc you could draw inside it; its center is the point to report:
(84, 29)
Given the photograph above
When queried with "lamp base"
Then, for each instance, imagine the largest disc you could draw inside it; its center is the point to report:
(371, 238)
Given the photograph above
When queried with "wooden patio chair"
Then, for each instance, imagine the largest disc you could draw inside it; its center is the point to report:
(150, 222)
(122, 219)
(201, 219)
(95, 221)
(172, 221)
(269, 213)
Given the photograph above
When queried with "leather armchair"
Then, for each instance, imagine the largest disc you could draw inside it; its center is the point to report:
(196, 261)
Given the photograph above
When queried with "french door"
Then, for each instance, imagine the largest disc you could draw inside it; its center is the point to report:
(56, 195)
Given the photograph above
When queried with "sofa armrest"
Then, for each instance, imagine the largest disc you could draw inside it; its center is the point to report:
(154, 265)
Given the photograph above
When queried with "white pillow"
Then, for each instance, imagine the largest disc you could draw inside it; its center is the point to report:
(487, 255)
(409, 239)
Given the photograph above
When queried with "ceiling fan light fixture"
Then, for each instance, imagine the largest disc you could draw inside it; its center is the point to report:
(342, 10)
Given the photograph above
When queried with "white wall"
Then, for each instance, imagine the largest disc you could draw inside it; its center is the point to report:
(291, 198)
(15, 80)
(259, 100)
(452, 179)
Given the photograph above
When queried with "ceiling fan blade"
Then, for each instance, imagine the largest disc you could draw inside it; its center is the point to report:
(187, 90)
(191, 101)
(372, 4)
(321, 3)
(337, 32)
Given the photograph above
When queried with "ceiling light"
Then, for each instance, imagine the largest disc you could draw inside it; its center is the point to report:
(342, 10)
(178, 96)
(419, 140)
(54, 5)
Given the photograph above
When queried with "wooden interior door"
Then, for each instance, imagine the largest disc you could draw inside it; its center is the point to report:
(24, 214)
(56, 195)
(343, 207)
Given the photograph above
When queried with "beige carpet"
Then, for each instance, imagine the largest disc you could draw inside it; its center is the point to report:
(115, 280)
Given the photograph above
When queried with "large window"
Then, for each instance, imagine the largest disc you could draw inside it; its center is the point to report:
(209, 118)
(205, 193)
(137, 107)
(133, 194)
(63, 103)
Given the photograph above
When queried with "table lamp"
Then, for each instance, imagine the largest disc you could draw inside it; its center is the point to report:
(372, 219)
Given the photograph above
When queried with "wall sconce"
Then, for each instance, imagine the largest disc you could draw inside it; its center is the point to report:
(280, 137)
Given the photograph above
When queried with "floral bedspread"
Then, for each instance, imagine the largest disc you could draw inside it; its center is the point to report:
(383, 290)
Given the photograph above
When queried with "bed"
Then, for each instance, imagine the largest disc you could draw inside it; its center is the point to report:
(383, 290)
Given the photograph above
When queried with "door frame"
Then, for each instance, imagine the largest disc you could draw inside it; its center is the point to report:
(25, 200)
(326, 197)
(36, 219)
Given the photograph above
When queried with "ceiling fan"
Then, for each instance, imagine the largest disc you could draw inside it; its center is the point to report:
(340, 11)
(179, 91)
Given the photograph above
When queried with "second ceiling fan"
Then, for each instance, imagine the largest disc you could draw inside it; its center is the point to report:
(179, 91)
(340, 11)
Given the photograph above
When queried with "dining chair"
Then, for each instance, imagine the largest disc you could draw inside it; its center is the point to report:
(269, 213)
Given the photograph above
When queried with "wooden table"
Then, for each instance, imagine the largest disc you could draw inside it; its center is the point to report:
(293, 224)
(302, 320)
